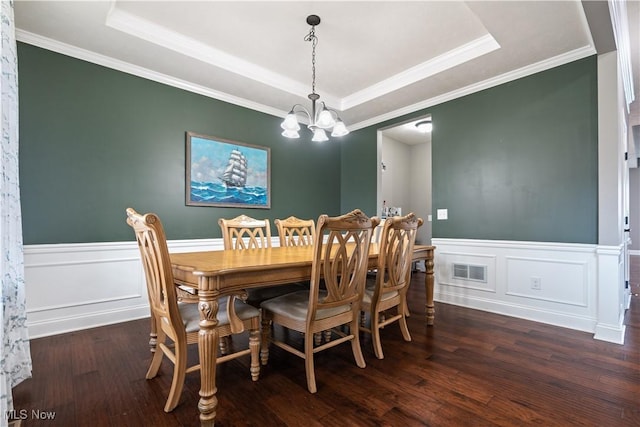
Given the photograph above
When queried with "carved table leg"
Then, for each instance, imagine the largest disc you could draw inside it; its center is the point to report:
(266, 339)
(208, 341)
(254, 345)
(428, 283)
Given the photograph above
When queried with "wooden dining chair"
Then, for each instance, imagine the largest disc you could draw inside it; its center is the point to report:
(244, 233)
(180, 322)
(375, 238)
(377, 232)
(389, 289)
(294, 231)
(342, 263)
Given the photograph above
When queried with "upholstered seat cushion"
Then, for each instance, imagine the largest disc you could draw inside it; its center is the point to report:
(191, 315)
(257, 295)
(296, 304)
(369, 290)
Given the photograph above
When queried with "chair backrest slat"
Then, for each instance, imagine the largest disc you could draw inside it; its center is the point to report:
(294, 231)
(341, 253)
(244, 232)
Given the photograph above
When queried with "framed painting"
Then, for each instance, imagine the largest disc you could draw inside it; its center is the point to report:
(227, 173)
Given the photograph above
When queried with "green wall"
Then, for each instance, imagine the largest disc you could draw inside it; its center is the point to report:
(514, 162)
(359, 172)
(94, 141)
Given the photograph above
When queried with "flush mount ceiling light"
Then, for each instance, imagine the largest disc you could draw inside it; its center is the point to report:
(321, 118)
(424, 126)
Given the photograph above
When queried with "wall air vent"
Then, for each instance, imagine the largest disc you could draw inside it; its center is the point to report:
(477, 273)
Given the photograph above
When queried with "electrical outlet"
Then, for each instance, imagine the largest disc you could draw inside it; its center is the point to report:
(536, 283)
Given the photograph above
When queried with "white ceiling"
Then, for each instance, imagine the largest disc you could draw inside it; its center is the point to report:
(375, 60)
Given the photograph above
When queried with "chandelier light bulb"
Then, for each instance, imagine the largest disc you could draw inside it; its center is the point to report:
(319, 135)
(290, 133)
(339, 129)
(325, 119)
(290, 122)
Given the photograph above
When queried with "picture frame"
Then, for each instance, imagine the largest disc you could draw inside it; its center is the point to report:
(225, 173)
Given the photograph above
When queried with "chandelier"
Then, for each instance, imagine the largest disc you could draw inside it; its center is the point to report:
(321, 118)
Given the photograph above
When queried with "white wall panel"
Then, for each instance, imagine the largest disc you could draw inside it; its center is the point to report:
(567, 275)
(92, 282)
(78, 286)
(561, 281)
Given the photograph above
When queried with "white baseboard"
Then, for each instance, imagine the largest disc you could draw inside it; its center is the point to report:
(53, 326)
(521, 311)
(614, 333)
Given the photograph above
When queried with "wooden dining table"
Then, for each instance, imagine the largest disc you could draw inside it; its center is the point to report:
(218, 273)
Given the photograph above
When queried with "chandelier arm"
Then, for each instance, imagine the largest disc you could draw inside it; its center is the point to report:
(331, 110)
(301, 109)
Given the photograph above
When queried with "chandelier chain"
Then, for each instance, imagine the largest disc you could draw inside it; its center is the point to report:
(314, 42)
(321, 119)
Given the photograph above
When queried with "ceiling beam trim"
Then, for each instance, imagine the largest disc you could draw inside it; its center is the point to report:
(446, 61)
(169, 39)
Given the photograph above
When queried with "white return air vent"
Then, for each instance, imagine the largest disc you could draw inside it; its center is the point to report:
(477, 273)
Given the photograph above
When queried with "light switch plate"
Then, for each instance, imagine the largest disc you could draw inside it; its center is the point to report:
(429, 218)
(443, 213)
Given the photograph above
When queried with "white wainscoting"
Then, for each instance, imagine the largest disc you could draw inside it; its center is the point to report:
(78, 286)
(566, 273)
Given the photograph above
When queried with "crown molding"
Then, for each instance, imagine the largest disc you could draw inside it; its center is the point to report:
(547, 64)
(161, 36)
(447, 60)
(169, 39)
(106, 61)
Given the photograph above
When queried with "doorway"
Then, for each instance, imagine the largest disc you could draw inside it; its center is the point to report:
(404, 172)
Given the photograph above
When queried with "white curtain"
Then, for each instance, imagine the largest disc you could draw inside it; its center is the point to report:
(15, 356)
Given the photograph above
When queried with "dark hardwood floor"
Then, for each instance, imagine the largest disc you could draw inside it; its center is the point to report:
(471, 369)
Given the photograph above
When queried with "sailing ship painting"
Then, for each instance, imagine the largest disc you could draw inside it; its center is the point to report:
(226, 173)
(235, 174)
